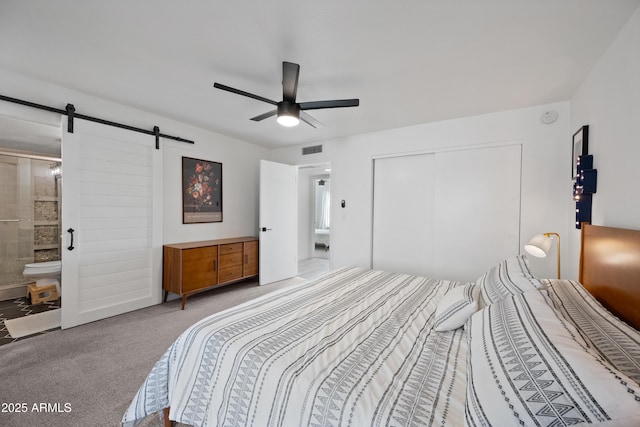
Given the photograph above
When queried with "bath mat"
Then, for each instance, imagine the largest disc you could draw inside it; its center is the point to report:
(33, 323)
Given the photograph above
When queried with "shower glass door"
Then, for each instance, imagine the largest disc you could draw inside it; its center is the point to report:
(16, 232)
(29, 219)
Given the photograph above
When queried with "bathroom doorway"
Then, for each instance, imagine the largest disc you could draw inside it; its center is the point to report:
(30, 215)
(314, 220)
(322, 218)
(29, 218)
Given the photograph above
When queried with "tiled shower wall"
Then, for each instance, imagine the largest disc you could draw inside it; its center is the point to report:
(46, 214)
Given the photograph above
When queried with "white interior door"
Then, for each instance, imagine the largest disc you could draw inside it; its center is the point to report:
(449, 214)
(278, 222)
(112, 200)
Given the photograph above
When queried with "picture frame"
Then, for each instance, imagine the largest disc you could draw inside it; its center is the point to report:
(201, 191)
(579, 147)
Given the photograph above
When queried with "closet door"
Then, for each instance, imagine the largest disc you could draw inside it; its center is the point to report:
(448, 214)
(477, 210)
(112, 200)
(403, 214)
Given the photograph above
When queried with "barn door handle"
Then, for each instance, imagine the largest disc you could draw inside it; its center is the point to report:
(70, 231)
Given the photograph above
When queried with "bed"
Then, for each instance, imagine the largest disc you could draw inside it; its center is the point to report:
(366, 348)
(321, 238)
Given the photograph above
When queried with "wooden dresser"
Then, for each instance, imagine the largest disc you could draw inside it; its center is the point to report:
(195, 266)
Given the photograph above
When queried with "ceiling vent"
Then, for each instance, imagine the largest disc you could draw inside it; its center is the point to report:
(311, 150)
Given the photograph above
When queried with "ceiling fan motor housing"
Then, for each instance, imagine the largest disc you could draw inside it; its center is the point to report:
(287, 108)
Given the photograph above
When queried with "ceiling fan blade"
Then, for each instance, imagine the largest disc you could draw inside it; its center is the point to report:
(336, 103)
(264, 116)
(309, 120)
(290, 73)
(243, 93)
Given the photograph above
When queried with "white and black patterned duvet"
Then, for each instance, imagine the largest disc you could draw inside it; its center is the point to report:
(355, 348)
(615, 341)
(530, 366)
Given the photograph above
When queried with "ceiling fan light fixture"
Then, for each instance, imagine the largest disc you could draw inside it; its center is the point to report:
(288, 114)
(288, 111)
(288, 121)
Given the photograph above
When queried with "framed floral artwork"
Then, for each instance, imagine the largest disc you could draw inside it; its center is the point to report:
(201, 191)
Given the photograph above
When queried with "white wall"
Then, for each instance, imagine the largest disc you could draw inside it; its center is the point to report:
(545, 172)
(240, 180)
(240, 160)
(609, 102)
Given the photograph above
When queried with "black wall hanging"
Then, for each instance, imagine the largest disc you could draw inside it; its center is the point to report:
(584, 188)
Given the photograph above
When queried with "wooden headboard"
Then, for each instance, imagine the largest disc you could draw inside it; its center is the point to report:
(610, 269)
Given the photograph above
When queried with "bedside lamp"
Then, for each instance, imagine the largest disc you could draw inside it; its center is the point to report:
(540, 244)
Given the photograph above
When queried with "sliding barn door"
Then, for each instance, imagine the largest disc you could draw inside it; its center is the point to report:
(447, 214)
(111, 222)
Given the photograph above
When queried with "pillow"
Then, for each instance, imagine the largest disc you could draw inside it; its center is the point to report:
(614, 340)
(455, 307)
(529, 366)
(511, 276)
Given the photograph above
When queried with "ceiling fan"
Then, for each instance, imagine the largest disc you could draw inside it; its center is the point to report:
(288, 111)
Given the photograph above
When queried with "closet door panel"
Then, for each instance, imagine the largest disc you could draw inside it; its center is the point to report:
(403, 214)
(477, 210)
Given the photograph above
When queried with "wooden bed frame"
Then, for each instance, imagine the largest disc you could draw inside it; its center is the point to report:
(610, 269)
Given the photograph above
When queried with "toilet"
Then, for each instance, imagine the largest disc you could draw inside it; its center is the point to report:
(44, 273)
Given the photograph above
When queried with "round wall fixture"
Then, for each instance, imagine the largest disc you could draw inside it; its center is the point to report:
(549, 117)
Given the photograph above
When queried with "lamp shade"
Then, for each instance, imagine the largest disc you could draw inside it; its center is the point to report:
(538, 246)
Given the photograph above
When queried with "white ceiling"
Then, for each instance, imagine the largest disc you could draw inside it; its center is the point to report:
(29, 137)
(409, 62)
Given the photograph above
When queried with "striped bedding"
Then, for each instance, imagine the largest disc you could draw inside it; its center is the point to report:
(354, 348)
(528, 365)
(358, 348)
(614, 340)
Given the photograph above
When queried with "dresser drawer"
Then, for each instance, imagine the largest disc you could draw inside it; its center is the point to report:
(229, 273)
(231, 260)
(230, 248)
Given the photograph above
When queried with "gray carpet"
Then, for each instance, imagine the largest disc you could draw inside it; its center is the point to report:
(87, 375)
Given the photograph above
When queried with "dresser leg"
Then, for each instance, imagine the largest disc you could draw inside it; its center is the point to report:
(166, 294)
(184, 301)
